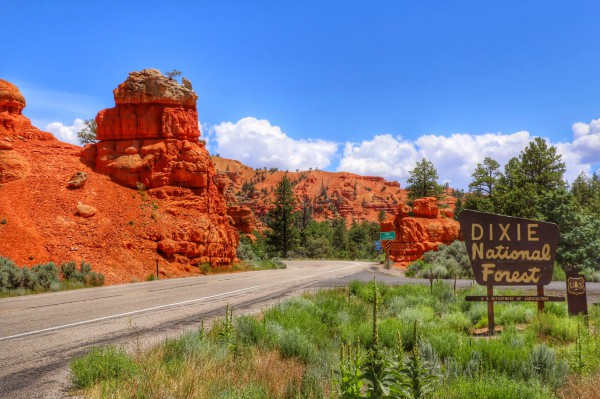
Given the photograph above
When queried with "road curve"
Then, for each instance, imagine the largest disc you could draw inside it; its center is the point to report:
(40, 334)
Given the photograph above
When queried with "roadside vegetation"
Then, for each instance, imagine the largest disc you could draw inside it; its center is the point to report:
(15, 280)
(363, 341)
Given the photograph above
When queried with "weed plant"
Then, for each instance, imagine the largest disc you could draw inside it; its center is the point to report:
(363, 342)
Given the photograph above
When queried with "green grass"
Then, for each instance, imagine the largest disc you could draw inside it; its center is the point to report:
(293, 349)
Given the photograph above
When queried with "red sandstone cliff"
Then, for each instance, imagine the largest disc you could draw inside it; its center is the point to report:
(177, 216)
(422, 232)
(348, 195)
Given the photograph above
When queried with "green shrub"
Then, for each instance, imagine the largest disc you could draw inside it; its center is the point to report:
(415, 267)
(94, 279)
(456, 321)
(249, 330)
(561, 329)
(293, 343)
(69, 271)
(46, 274)
(101, 364)
(514, 314)
(177, 350)
(546, 366)
(11, 276)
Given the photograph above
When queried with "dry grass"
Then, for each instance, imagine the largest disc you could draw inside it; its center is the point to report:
(202, 375)
(581, 387)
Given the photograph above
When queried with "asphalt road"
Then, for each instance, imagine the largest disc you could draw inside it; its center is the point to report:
(40, 334)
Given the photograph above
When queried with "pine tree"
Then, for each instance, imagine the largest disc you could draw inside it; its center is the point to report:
(281, 218)
(422, 181)
(484, 177)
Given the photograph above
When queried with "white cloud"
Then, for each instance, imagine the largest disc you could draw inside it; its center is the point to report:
(586, 141)
(455, 157)
(64, 132)
(257, 143)
(385, 155)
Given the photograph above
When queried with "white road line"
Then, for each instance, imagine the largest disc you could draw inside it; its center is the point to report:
(343, 268)
(125, 314)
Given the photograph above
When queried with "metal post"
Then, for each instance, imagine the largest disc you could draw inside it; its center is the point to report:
(157, 269)
(491, 326)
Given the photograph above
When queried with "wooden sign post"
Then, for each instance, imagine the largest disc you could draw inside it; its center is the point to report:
(576, 294)
(509, 251)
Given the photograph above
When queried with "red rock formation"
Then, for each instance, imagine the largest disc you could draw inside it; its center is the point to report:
(150, 106)
(330, 194)
(245, 221)
(420, 233)
(15, 128)
(149, 140)
(13, 124)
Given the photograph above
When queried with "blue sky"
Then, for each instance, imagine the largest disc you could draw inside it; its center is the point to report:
(366, 87)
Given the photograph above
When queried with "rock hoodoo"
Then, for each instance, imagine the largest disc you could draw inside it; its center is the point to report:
(15, 128)
(149, 141)
(415, 235)
(12, 121)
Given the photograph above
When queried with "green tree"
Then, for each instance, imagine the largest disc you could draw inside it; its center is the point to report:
(485, 177)
(340, 237)
(281, 218)
(318, 240)
(579, 242)
(87, 135)
(537, 171)
(586, 191)
(422, 181)
(542, 166)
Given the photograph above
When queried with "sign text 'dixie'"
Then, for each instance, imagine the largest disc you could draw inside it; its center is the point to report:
(506, 250)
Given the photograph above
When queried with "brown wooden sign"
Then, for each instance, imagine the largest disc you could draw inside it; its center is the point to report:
(576, 293)
(510, 251)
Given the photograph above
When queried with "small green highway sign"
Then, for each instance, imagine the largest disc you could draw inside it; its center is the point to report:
(387, 235)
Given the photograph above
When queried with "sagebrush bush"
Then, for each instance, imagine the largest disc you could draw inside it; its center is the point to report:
(11, 276)
(46, 276)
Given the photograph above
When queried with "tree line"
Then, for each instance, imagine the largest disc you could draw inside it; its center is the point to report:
(532, 185)
(295, 232)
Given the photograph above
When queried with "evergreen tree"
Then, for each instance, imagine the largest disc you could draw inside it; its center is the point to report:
(536, 172)
(422, 181)
(586, 191)
(340, 237)
(485, 177)
(542, 166)
(281, 218)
